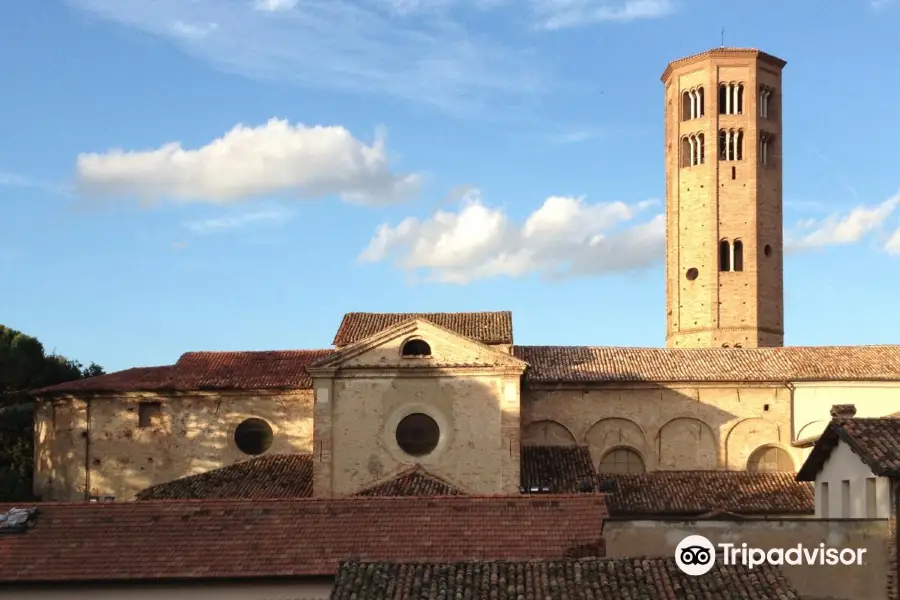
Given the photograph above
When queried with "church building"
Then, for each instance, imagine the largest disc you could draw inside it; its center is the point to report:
(453, 398)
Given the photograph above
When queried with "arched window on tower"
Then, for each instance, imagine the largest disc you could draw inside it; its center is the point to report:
(731, 98)
(765, 96)
(692, 104)
(738, 258)
(724, 256)
(693, 150)
(765, 146)
(731, 144)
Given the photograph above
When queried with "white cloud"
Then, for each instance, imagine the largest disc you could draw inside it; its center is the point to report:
(276, 5)
(565, 237)
(250, 162)
(892, 246)
(564, 14)
(15, 180)
(839, 229)
(352, 45)
(191, 30)
(446, 53)
(220, 224)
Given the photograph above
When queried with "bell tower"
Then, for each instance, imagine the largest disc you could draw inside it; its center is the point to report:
(724, 241)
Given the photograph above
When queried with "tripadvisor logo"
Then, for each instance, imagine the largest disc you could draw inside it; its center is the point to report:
(695, 555)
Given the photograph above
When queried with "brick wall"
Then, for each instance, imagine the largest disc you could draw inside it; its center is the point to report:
(733, 200)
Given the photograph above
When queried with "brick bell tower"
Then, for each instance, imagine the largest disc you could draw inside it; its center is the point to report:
(724, 242)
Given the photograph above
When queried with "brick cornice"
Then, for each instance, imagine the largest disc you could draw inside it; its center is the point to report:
(723, 53)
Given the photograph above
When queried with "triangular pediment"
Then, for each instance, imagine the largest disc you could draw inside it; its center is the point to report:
(447, 350)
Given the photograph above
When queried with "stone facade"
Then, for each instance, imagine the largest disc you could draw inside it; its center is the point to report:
(470, 390)
(723, 195)
(702, 426)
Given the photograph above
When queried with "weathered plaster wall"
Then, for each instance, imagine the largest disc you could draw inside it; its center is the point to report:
(477, 415)
(194, 434)
(686, 427)
(815, 582)
(59, 449)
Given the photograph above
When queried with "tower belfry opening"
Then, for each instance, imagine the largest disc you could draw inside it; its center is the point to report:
(724, 205)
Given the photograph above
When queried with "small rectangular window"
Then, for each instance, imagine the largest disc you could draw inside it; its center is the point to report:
(845, 499)
(871, 498)
(824, 504)
(149, 414)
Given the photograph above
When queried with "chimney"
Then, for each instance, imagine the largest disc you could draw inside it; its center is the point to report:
(843, 411)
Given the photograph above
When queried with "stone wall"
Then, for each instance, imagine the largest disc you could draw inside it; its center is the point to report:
(700, 426)
(869, 581)
(98, 443)
(478, 417)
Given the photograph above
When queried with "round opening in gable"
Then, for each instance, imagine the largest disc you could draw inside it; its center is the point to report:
(418, 434)
(253, 436)
(692, 274)
(417, 348)
(767, 250)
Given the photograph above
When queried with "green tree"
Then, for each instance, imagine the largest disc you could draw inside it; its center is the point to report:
(25, 366)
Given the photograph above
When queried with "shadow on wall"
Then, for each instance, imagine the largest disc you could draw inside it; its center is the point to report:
(144, 439)
(641, 425)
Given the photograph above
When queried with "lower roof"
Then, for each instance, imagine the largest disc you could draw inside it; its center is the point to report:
(697, 493)
(544, 469)
(876, 441)
(600, 578)
(210, 539)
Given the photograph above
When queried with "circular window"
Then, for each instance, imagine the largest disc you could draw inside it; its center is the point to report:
(767, 250)
(418, 434)
(692, 274)
(253, 436)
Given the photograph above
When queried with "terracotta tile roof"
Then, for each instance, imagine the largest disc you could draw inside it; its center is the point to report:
(553, 364)
(277, 369)
(415, 481)
(190, 539)
(245, 370)
(556, 469)
(875, 441)
(603, 579)
(272, 476)
(138, 378)
(484, 327)
(695, 493)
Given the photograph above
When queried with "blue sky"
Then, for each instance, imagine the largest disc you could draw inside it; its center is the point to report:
(186, 175)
